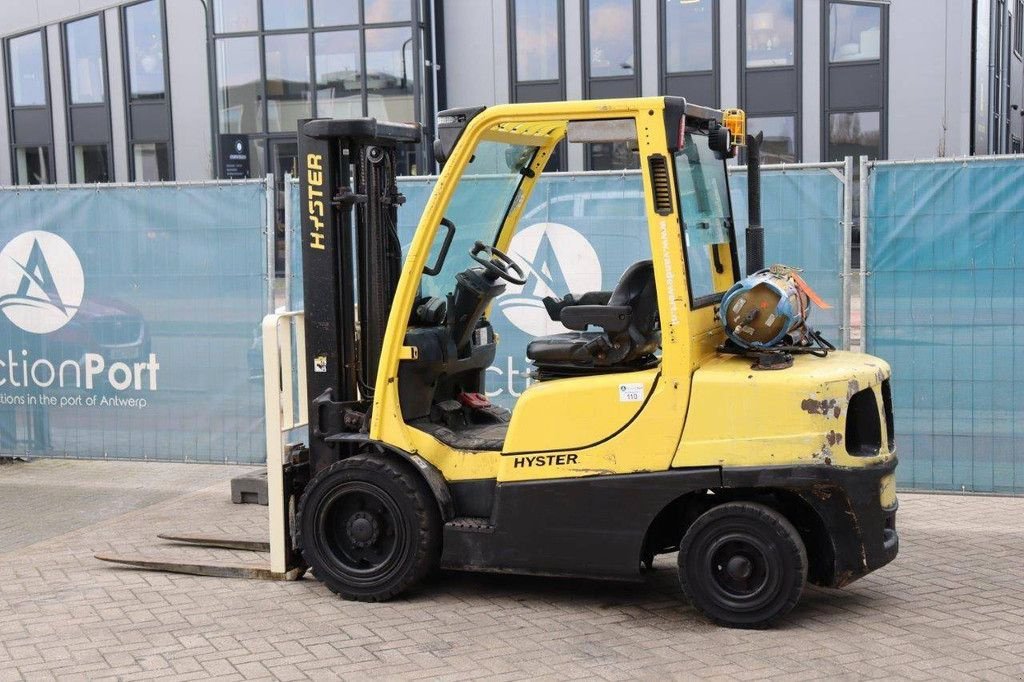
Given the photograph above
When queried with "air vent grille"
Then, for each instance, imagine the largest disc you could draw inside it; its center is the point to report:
(661, 183)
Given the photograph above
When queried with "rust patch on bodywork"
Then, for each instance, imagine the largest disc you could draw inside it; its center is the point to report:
(843, 579)
(822, 407)
(852, 387)
(834, 438)
(823, 491)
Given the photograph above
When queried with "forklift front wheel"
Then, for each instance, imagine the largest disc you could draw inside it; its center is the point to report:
(742, 564)
(368, 528)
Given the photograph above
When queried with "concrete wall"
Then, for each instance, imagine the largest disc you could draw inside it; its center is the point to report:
(190, 90)
(115, 78)
(476, 52)
(811, 106)
(61, 162)
(929, 78)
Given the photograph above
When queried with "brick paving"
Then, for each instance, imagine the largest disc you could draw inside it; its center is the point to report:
(950, 607)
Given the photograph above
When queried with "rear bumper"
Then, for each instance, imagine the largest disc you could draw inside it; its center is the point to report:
(862, 533)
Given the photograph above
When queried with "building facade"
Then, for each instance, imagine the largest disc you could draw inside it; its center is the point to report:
(101, 91)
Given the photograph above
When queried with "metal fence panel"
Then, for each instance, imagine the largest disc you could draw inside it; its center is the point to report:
(130, 321)
(580, 231)
(944, 260)
(802, 214)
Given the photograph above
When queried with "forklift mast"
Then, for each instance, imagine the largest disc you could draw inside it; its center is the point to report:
(351, 259)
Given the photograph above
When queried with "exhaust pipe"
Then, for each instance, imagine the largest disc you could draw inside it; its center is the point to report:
(755, 232)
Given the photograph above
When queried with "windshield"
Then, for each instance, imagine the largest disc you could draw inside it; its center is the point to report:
(707, 215)
(477, 208)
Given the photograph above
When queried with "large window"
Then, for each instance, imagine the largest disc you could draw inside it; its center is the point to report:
(235, 16)
(282, 14)
(390, 70)
(150, 155)
(367, 60)
(770, 33)
(611, 69)
(27, 68)
(85, 69)
(88, 111)
(145, 50)
(32, 166)
(339, 75)
(610, 38)
(288, 88)
(770, 74)
(689, 50)
(779, 145)
(29, 109)
(689, 35)
(335, 12)
(384, 11)
(854, 32)
(537, 40)
(239, 85)
(280, 61)
(855, 134)
(855, 80)
(536, 57)
(1018, 27)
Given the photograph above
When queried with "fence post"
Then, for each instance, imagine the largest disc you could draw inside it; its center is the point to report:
(847, 249)
(864, 217)
(271, 228)
(288, 208)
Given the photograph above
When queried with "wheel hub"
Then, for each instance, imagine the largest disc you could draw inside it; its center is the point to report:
(363, 529)
(739, 567)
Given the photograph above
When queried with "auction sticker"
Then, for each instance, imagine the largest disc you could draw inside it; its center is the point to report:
(631, 393)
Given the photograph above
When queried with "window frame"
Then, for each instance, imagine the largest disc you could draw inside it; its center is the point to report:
(716, 54)
(796, 67)
(11, 107)
(715, 298)
(883, 66)
(131, 137)
(69, 108)
(1018, 27)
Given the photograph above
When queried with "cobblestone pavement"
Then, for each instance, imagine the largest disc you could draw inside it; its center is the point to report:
(950, 607)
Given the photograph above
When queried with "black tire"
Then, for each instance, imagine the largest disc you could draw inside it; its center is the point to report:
(743, 565)
(369, 528)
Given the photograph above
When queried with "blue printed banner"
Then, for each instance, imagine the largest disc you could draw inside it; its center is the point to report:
(129, 321)
(945, 264)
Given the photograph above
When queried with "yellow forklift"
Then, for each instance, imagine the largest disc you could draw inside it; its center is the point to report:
(686, 410)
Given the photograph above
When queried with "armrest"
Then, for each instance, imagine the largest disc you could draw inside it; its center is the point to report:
(611, 318)
(554, 306)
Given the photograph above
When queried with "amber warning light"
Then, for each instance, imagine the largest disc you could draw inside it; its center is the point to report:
(736, 121)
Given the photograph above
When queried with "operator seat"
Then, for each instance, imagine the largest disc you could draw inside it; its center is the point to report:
(627, 316)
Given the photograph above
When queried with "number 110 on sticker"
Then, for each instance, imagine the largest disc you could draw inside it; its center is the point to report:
(631, 393)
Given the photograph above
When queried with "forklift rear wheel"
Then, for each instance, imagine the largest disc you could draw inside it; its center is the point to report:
(369, 528)
(742, 565)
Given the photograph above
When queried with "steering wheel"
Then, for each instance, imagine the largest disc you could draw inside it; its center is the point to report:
(499, 264)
